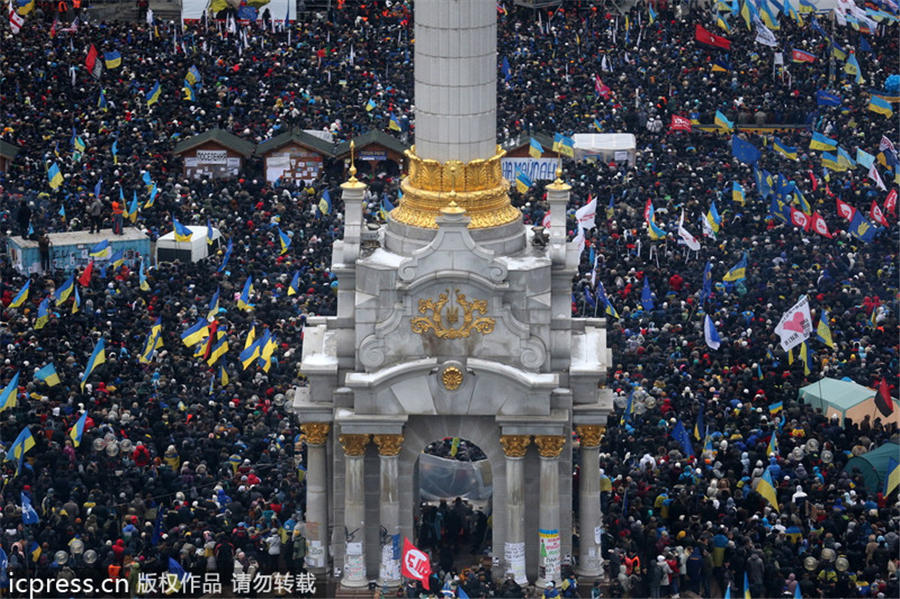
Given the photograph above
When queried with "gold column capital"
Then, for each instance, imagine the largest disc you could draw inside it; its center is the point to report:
(316, 432)
(388, 445)
(550, 446)
(354, 445)
(514, 446)
(590, 434)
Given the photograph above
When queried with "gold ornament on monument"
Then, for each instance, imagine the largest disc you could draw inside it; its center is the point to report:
(444, 317)
(515, 446)
(451, 378)
(315, 432)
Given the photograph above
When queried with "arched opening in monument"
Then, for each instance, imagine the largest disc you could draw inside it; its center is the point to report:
(453, 498)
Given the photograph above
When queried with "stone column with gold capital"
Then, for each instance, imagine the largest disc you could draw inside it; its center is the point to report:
(549, 448)
(354, 573)
(389, 510)
(515, 446)
(316, 495)
(590, 560)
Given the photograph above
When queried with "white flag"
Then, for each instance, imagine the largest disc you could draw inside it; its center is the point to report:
(546, 222)
(710, 334)
(873, 175)
(795, 326)
(149, 16)
(15, 20)
(765, 36)
(586, 215)
(578, 242)
(839, 17)
(688, 239)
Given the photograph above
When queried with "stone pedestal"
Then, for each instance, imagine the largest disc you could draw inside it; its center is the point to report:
(316, 496)
(549, 447)
(389, 508)
(590, 560)
(354, 573)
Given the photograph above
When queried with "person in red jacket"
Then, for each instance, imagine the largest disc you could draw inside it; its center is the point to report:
(140, 455)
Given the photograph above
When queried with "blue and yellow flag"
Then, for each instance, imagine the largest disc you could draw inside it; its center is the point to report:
(325, 202)
(182, 233)
(651, 14)
(98, 357)
(212, 310)
(738, 271)
(117, 259)
(806, 355)
(370, 105)
(881, 106)
(112, 59)
(766, 488)
(244, 300)
(48, 375)
(22, 445)
(43, 314)
(564, 145)
(772, 449)
(142, 278)
(101, 251)
(10, 395)
(196, 333)
(722, 121)
(219, 348)
(190, 94)
(250, 354)
(154, 342)
(394, 124)
(523, 182)
(54, 177)
(851, 67)
(535, 149)
(821, 142)
(77, 431)
(133, 208)
(737, 193)
(713, 218)
(784, 149)
(21, 296)
(746, 582)
(832, 162)
(294, 287)
(193, 75)
(285, 240)
(892, 478)
(153, 95)
(823, 331)
(102, 104)
(598, 126)
(608, 307)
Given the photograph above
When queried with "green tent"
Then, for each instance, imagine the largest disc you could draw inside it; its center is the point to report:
(874, 465)
(845, 399)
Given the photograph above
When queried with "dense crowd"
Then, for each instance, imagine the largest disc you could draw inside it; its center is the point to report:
(177, 463)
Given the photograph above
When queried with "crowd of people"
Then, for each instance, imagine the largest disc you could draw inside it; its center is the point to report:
(180, 463)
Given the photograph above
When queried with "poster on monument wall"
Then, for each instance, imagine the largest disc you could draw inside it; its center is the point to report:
(514, 553)
(550, 551)
(390, 567)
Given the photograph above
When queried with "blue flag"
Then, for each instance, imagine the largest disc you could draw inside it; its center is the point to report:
(744, 151)
(681, 436)
(29, 515)
(647, 296)
(707, 282)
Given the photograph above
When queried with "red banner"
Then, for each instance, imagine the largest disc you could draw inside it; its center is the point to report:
(819, 225)
(711, 39)
(680, 123)
(799, 219)
(91, 59)
(877, 215)
(416, 564)
(801, 56)
(890, 202)
(845, 209)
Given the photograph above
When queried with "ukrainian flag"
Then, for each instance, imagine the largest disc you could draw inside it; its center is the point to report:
(394, 124)
(77, 431)
(142, 277)
(251, 335)
(182, 233)
(564, 145)
(823, 331)
(153, 95)
(76, 302)
(21, 296)
(117, 259)
(651, 14)
(285, 241)
(325, 202)
(713, 218)
(250, 354)
(880, 106)
(133, 207)
(772, 449)
(189, 94)
(806, 356)
(98, 357)
(851, 67)
(746, 582)
(48, 375)
(785, 150)
(43, 314)
(24, 7)
(223, 376)
(722, 121)
(766, 488)
(112, 59)
(737, 193)
(831, 161)
(654, 230)
(738, 271)
(776, 407)
(844, 158)
(721, 65)
(601, 295)
(101, 251)
(597, 126)
(77, 142)
(153, 343)
(244, 299)
(293, 288)
(10, 393)
(219, 348)
(213, 308)
(722, 23)
(193, 75)
(196, 333)
(769, 17)
(838, 52)
(370, 105)
(523, 183)
(820, 142)
(54, 176)
(893, 476)
(103, 105)
(535, 149)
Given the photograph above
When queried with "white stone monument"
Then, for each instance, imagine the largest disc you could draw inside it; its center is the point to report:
(453, 320)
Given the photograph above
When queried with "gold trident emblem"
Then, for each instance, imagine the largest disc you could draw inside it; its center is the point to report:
(440, 312)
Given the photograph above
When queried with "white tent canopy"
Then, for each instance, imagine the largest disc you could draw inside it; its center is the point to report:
(620, 147)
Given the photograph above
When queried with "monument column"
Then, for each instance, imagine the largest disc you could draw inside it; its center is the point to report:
(354, 573)
(388, 448)
(514, 446)
(590, 560)
(316, 495)
(549, 447)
